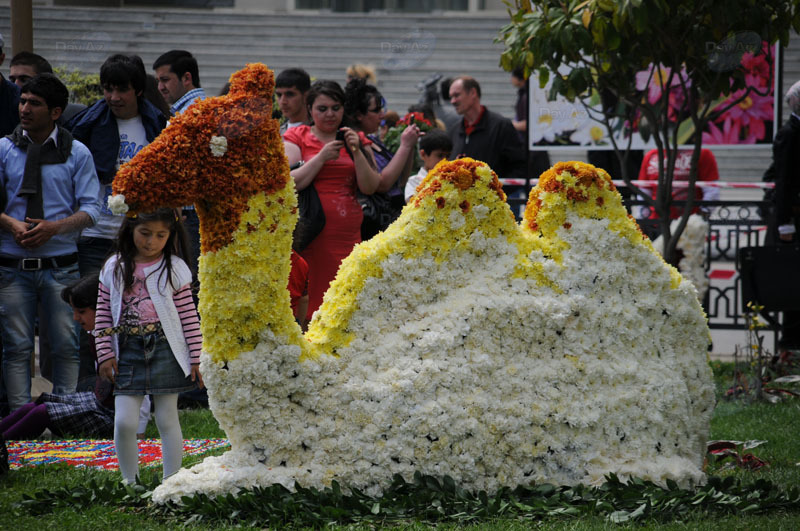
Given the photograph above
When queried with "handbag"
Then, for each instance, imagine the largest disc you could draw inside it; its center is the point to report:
(312, 217)
(379, 212)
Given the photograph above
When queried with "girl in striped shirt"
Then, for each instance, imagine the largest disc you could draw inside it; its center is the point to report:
(148, 333)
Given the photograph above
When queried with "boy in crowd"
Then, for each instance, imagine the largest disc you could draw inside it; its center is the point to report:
(26, 65)
(434, 146)
(115, 129)
(178, 77)
(291, 86)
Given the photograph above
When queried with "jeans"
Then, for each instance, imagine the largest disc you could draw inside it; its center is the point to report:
(92, 254)
(192, 226)
(19, 293)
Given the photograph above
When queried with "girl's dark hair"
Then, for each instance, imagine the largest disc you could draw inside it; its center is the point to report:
(83, 292)
(359, 96)
(324, 87)
(177, 244)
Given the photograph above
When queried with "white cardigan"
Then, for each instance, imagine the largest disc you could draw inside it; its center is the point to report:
(160, 291)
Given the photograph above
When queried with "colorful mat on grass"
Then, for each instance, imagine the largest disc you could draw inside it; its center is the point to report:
(97, 454)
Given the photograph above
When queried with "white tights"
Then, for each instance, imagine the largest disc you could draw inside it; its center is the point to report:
(126, 422)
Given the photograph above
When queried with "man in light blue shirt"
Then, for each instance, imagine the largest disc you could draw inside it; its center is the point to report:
(179, 82)
(51, 190)
(178, 79)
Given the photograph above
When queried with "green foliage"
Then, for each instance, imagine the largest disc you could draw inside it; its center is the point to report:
(83, 88)
(432, 499)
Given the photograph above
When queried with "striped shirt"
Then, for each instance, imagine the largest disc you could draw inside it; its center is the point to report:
(187, 312)
(186, 100)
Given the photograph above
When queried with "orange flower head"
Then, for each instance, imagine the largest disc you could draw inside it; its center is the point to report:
(216, 155)
(459, 173)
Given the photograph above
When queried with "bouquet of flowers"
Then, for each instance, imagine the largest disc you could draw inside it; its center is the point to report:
(392, 138)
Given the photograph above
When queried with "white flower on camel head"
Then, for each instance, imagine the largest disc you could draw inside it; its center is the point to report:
(218, 145)
(117, 205)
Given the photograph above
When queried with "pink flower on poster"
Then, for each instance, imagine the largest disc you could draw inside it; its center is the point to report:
(729, 134)
(656, 79)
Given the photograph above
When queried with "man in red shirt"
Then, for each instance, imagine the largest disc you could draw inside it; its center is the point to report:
(706, 171)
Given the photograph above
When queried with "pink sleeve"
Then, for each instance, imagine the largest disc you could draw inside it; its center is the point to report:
(102, 320)
(190, 322)
(296, 136)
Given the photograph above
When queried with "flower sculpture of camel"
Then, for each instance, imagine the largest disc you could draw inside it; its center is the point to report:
(458, 342)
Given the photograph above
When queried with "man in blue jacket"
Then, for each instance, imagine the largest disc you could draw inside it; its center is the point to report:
(115, 129)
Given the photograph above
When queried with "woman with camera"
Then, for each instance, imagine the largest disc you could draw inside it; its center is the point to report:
(331, 159)
(364, 108)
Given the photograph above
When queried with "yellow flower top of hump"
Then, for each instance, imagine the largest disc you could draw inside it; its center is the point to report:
(456, 199)
(579, 188)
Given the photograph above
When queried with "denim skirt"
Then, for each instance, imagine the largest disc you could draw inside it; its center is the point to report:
(148, 367)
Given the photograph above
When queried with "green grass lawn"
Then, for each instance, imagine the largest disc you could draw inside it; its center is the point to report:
(737, 420)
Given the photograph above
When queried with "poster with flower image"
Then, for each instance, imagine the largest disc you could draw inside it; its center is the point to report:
(561, 124)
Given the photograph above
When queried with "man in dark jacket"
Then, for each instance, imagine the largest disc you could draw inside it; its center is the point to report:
(114, 129)
(785, 223)
(9, 100)
(786, 155)
(484, 135)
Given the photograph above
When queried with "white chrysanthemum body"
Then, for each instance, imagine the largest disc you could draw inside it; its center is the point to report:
(463, 368)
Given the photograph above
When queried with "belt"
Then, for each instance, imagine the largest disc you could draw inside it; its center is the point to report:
(37, 264)
(131, 330)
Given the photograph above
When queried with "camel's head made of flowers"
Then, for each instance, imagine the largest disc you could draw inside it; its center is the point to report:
(216, 155)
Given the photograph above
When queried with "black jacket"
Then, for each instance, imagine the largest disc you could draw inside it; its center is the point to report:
(786, 154)
(9, 107)
(96, 127)
(495, 142)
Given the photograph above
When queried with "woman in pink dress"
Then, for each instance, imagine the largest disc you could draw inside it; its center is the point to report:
(336, 168)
